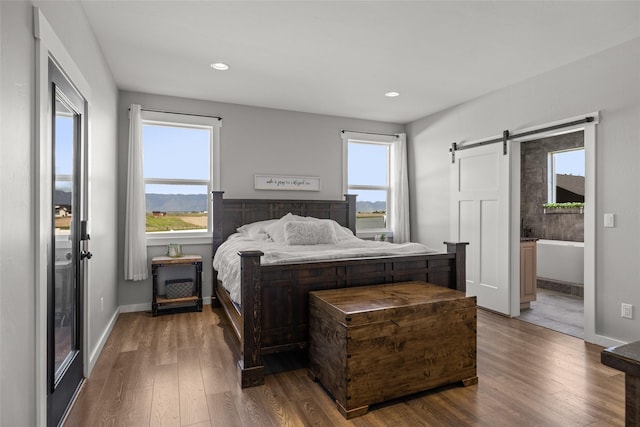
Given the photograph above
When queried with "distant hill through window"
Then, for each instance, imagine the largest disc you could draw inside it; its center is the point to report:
(198, 203)
(176, 202)
(364, 206)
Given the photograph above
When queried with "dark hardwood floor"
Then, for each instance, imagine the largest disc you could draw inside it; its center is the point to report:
(179, 370)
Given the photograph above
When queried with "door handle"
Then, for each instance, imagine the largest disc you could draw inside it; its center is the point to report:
(85, 254)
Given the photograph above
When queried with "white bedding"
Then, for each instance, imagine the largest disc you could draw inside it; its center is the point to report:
(227, 262)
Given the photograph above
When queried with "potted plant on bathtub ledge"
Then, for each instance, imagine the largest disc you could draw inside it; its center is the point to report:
(564, 208)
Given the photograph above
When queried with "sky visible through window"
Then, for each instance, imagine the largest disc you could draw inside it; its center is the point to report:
(570, 162)
(176, 153)
(367, 165)
(64, 151)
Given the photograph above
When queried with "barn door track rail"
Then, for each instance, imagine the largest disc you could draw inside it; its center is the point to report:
(506, 136)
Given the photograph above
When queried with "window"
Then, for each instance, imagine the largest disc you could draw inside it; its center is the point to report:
(181, 164)
(367, 171)
(566, 176)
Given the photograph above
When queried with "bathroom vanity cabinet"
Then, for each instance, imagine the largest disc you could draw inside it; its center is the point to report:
(528, 277)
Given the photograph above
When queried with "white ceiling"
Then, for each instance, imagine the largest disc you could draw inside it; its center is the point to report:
(340, 57)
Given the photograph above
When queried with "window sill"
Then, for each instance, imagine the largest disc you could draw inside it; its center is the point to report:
(579, 211)
(177, 237)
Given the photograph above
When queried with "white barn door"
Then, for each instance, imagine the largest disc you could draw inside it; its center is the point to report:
(480, 215)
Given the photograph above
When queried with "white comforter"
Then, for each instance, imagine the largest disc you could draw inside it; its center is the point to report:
(227, 262)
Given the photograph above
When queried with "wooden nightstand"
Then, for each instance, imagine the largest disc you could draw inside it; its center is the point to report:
(159, 302)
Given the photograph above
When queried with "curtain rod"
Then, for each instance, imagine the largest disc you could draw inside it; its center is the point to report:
(181, 114)
(369, 133)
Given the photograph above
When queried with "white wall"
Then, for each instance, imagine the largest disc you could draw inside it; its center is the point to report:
(17, 171)
(607, 82)
(253, 140)
(17, 320)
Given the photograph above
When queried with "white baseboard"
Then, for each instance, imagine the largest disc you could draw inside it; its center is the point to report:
(608, 342)
(131, 308)
(93, 358)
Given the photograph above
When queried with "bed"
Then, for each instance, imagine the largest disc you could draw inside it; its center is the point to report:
(273, 314)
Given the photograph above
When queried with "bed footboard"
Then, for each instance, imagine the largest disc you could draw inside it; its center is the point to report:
(275, 297)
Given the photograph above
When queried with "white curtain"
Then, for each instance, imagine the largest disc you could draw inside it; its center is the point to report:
(399, 209)
(135, 245)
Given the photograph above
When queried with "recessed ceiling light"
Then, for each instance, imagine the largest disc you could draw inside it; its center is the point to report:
(219, 66)
(392, 94)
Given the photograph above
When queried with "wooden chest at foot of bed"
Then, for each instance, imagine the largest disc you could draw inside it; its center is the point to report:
(374, 343)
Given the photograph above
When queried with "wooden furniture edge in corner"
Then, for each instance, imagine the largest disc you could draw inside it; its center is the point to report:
(352, 413)
(470, 381)
(626, 358)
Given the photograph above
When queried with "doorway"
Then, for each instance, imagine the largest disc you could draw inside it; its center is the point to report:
(552, 189)
(589, 136)
(66, 256)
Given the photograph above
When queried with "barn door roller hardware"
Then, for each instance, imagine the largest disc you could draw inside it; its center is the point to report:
(505, 139)
(506, 136)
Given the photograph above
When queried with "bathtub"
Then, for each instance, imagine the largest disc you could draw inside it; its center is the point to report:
(560, 260)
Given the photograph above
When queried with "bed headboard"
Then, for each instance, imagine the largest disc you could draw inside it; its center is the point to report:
(229, 214)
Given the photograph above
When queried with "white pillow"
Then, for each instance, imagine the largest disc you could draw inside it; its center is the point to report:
(309, 233)
(276, 230)
(342, 233)
(256, 230)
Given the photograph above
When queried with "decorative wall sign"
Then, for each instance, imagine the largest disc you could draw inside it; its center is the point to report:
(279, 182)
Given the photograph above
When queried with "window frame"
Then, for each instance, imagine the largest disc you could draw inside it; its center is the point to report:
(380, 140)
(213, 124)
(551, 172)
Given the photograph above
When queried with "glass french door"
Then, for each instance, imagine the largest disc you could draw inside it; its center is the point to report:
(66, 257)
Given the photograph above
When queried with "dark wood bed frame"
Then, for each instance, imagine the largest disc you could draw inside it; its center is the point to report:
(274, 315)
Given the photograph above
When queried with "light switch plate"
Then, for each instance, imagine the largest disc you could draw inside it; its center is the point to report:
(627, 311)
(609, 220)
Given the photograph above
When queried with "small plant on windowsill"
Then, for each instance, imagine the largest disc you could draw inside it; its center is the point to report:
(568, 207)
